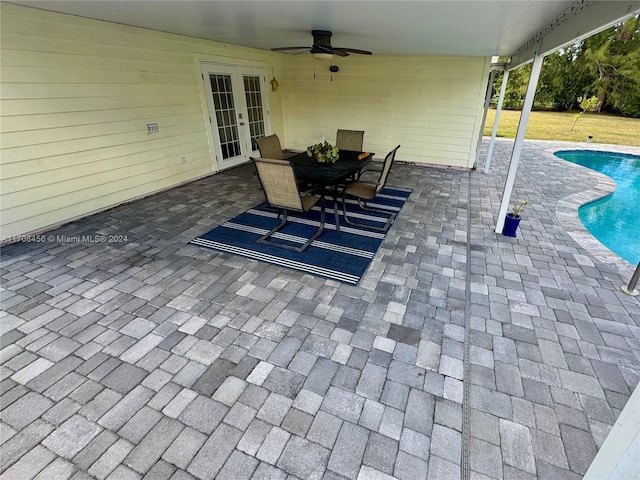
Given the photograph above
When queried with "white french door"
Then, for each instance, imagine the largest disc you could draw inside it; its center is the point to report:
(236, 99)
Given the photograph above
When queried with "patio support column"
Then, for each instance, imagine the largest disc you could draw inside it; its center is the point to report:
(487, 102)
(517, 146)
(503, 89)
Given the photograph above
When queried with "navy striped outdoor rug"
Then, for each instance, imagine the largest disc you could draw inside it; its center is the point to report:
(343, 256)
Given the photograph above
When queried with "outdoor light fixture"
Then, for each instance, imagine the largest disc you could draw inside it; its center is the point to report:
(274, 83)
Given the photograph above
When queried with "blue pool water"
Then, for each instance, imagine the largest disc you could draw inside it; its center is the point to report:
(615, 219)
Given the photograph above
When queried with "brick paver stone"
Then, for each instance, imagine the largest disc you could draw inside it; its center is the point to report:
(30, 464)
(215, 452)
(343, 404)
(409, 467)
(273, 445)
(517, 450)
(126, 408)
(25, 410)
(238, 467)
(186, 445)
(72, 436)
(151, 448)
(381, 453)
(303, 459)
(111, 459)
(204, 414)
(253, 437)
(31, 371)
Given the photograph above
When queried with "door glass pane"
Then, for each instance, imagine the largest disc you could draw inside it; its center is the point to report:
(225, 115)
(254, 107)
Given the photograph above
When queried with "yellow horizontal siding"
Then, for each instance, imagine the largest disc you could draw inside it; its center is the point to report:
(64, 61)
(121, 154)
(73, 105)
(82, 145)
(63, 206)
(76, 97)
(34, 43)
(104, 173)
(62, 134)
(69, 76)
(59, 90)
(432, 106)
(57, 120)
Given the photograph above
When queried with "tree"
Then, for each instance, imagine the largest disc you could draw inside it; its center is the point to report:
(516, 87)
(606, 65)
(587, 105)
(561, 81)
(612, 59)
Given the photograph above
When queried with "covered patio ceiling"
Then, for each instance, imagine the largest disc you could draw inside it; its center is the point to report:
(427, 27)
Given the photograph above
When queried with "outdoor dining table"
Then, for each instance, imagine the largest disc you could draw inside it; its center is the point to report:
(330, 176)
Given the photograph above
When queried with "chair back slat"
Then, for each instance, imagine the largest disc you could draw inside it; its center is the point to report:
(386, 168)
(270, 147)
(350, 140)
(278, 179)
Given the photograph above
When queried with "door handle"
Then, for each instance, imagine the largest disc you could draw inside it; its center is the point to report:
(241, 123)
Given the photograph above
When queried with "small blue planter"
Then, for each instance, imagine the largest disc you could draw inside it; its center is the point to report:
(511, 225)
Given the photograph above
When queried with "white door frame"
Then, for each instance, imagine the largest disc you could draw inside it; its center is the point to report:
(239, 126)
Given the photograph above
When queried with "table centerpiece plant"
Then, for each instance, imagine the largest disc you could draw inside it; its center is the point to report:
(323, 152)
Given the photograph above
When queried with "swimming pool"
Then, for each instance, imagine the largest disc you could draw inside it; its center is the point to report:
(615, 219)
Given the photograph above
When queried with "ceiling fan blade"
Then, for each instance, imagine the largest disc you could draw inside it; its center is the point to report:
(321, 49)
(279, 49)
(352, 50)
(322, 45)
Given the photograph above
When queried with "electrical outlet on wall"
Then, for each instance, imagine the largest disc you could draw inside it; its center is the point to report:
(184, 160)
(152, 128)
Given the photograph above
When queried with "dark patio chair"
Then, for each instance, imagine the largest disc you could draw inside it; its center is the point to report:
(354, 140)
(365, 191)
(278, 180)
(350, 140)
(270, 147)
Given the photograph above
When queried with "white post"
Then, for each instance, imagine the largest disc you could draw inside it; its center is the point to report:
(618, 456)
(517, 146)
(503, 89)
(487, 102)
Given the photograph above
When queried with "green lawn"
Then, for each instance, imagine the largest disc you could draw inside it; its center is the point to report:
(557, 126)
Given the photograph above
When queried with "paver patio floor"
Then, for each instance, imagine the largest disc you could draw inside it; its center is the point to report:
(147, 357)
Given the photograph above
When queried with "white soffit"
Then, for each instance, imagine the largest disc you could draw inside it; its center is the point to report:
(386, 27)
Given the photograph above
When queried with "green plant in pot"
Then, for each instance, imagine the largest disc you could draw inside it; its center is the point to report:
(512, 220)
(323, 152)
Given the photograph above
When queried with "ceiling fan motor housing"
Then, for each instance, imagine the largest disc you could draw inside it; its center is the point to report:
(321, 41)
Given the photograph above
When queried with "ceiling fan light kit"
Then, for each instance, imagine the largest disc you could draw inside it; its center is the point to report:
(322, 56)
